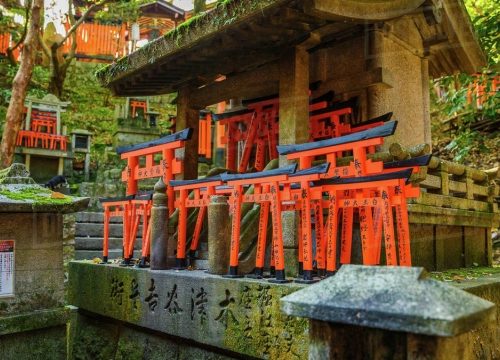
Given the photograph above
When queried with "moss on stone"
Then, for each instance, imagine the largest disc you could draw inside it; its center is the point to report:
(462, 274)
(35, 195)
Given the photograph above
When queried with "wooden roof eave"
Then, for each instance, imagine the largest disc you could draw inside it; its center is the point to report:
(177, 42)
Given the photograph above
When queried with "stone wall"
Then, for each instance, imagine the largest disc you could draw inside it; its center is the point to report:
(39, 276)
(231, 315)
(191, 314)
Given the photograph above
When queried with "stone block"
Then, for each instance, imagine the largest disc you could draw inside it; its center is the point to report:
(112, 254)
(39, 259)
(47, 343)
(97, 230)
(238, 315)
(390, 298)
(475, 246)
(449, 247)
(94, 217)
(422, 246)
(88, 243)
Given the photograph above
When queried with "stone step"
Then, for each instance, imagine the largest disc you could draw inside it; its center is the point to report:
(91, 254)
(94, 217)
(201, 264)
(97, 230)
(95, 243)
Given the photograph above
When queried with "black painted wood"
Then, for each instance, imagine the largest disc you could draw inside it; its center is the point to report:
(380, 131)
(285, 170)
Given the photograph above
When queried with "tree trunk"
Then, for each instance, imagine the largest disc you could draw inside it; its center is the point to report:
(20, 86)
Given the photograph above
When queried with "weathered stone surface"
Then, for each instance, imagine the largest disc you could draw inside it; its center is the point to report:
(475, 246)
(219, 235)
(94, 217)
(112, 254)
(390, 298)
(422, 246)
(449, 247)
(97, 230)
(15, 174)
(159, 228)
(34, 320)
(93, 337)
(47, 343)
(239, 315)
(94, 243)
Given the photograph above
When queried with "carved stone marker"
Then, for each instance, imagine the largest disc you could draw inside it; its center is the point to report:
(370, 310)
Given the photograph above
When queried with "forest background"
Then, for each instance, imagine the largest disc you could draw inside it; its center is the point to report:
(458, 130)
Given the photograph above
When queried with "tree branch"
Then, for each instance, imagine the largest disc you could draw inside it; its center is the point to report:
(44, 46)
(82, 19)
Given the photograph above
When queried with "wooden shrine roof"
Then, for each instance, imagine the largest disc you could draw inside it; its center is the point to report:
(241, 35)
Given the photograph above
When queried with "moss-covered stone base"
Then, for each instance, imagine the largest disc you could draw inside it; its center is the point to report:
(95, 338)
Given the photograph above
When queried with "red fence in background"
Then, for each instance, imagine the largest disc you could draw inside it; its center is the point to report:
(5, 42)
(96, 40)
(483, 87)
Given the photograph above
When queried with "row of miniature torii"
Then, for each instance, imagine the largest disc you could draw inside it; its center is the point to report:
(373, 188)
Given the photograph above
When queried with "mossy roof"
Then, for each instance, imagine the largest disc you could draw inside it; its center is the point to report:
(194, 30)
(240, 35)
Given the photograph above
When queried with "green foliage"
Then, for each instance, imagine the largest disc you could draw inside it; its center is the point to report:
(456, 101)
(120, 11)
(485, 16)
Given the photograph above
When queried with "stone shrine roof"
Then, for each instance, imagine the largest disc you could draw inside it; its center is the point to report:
(238, 36)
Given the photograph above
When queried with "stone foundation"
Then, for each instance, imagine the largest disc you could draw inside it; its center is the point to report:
(192, 314)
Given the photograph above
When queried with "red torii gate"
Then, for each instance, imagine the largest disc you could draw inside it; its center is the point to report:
(202, 190)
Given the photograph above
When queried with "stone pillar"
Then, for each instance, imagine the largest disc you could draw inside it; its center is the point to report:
(159, 228)
(408, 98)
(294, 129)
(188, 117)
(392, 312)
(219, 235)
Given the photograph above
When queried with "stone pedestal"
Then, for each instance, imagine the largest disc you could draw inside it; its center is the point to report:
(379, 312)
(159, 228)
(31, 265)
(219, 235)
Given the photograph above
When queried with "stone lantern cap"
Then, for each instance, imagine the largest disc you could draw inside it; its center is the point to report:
(390, 298)
(20, 193)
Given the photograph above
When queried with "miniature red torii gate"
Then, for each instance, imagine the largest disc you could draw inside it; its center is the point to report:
(133, 207)
(202, 190)
(270, 179)
(167, 168)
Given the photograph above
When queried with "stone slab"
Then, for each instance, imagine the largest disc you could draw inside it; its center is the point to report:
(97, 230)
(449, 247)
(390, 298)
(239, 315)
(34, 320)
(422, 246)
(92, 254)
(93, 243)
(475, 246)
(95, 217)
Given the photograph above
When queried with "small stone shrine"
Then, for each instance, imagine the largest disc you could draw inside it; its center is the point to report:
(42, 142)
(136, 122)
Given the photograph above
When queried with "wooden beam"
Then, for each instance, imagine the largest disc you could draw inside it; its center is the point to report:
(259, 82)
(188, 117)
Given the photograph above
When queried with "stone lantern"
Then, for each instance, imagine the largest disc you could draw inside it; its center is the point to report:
(31, 266)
